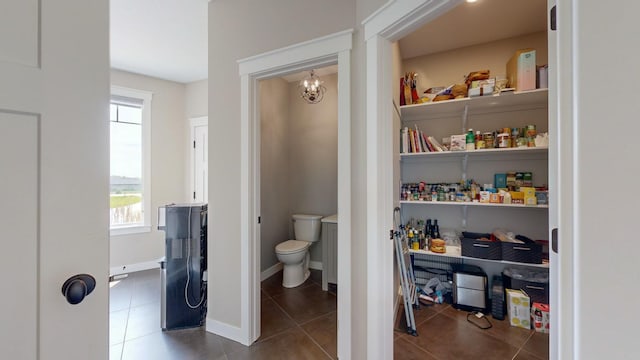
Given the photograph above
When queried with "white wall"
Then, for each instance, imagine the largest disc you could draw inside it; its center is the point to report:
(605, 246)
(168, 166)
(275, 171)
(450, 67)
(238, 29)
(314, 154)
(197, 99)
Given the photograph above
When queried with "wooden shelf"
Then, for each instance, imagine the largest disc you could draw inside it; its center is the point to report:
(455, 203)
(515, 100)
(457, 255)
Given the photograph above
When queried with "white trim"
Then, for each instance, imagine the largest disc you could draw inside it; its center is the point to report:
(400, 17)
(323, 51)
(284, 58)
(146, 97)
(225, 330)
(129, 230)
(566, 218)
(315, 265)
(270, 271)
(130, 268)
(193, 124)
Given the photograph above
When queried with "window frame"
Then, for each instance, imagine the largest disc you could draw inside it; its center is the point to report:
(146, 97)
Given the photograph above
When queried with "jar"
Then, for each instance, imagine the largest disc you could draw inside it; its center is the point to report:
(530, 131)
(488, 140)
(503, 140)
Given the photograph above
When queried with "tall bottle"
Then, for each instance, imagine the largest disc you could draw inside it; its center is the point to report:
(436, 229)
(471, 140)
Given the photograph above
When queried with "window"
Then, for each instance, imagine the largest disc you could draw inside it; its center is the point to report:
(130, 160)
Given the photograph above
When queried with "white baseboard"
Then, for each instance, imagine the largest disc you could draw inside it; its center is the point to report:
(315, 265)
(270, 271)
(225, 330)
(129, 268)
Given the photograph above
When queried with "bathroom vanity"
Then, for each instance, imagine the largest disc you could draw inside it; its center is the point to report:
(329, 251)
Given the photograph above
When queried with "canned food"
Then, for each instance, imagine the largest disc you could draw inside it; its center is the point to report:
(480, 144)
(503, 140)
(530, 131)
(488, 140)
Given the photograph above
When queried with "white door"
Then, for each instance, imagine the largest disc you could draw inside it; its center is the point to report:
(199, 160)
(54, 170)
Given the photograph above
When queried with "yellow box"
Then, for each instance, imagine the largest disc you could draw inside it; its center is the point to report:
(529, 195)
(518, 309)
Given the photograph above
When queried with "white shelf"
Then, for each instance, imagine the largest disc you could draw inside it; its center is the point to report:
(479, 153)
(455, 203)
(516, 100)
(458, 256)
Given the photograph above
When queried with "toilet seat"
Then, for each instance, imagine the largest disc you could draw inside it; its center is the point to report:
(291, 246)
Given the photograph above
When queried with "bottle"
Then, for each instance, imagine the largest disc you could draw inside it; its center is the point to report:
(436, 229)
(427, 228)
(471, 140)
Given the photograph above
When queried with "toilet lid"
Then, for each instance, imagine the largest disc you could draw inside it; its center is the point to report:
(291, 246)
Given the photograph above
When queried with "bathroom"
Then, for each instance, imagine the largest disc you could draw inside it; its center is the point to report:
(298, 160)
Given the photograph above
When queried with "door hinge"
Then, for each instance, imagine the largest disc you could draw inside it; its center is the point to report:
(554, 240)
(194, 195)
(259, 219)
(194, 144)
(552, 19)
(391, 234)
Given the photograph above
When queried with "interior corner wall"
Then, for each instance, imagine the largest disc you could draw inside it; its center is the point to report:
(255, 27)
(197, 99)
(275, 193)
(168, 151)
(444, 68)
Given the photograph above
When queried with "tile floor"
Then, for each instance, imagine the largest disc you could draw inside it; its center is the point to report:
(301, 323)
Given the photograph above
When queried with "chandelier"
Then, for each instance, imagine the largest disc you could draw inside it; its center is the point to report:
(311, 89)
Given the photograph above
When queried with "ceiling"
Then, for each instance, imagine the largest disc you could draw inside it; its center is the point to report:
(476, 23)
(166, 39)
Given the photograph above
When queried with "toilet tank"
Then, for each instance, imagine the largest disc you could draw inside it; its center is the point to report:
(306, 227)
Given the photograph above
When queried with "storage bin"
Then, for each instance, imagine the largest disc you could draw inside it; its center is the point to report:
(472, 246)
(525, 253)
(534, 282)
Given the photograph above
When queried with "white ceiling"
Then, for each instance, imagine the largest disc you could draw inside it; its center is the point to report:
(476, 23)
(166, 39)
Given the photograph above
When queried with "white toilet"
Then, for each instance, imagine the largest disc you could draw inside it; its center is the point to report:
(294, 254)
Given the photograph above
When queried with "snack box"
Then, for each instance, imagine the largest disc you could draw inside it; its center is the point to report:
(458, 142)
(529, 195)
(482, 90)
(517, 197)
(500, 180)
(540, 317)
(518, 309)
(521, 70)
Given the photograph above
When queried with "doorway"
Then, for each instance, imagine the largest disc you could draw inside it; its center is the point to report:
(317, 53)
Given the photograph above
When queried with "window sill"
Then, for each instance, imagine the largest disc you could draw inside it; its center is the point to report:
(129, 230)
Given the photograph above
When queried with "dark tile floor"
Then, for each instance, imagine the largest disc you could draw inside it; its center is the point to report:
(301, 323)
(298, 323)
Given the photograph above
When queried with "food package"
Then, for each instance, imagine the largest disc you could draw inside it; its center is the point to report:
(459, 91)
(443, 97)
(458, 142)
(518, 308)
(477, 75)
(438, 246)
(540, 317)
(521, 70)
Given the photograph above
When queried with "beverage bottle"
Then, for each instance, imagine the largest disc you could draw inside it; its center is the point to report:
(436, 229)
(471, 140)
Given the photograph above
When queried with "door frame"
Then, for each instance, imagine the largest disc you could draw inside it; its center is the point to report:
(323, 51)
(390, 23)
(193, 124)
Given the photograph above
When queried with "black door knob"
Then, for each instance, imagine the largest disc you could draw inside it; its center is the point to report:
(77, 287)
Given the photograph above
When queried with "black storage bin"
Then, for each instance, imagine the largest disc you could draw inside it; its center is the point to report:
(534, 282)
(530, 252)
(472, 246)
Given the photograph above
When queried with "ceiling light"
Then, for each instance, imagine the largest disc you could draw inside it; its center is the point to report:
(471, 1)
(311, 88)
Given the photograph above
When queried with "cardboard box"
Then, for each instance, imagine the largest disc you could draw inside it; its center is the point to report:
(518, 309)
(521, 70)
(482, 90)
(485, 196)
(458, 142)
(500, 180)
(529, 195)
(540, 317)
(517, 197)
